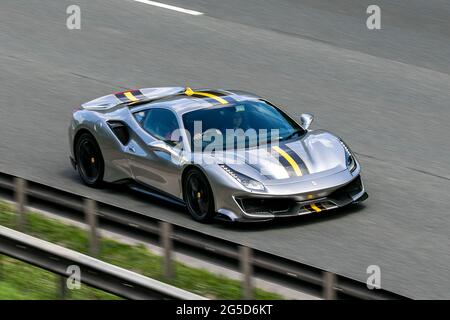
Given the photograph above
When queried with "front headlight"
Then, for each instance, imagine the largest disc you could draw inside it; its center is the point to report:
(349, 157)
(243, 179)
(351, 163)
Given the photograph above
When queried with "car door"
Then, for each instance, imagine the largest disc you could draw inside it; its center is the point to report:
(151, 160)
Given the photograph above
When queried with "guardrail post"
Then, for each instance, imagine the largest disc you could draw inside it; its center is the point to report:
(166, 242)
(329, 282)
(90, 211)
(246, 265)
(20, 195)
(62, 287)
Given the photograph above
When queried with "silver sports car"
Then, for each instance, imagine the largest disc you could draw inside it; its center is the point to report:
(223, 154)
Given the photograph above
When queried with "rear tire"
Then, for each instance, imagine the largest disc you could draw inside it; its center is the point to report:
(198, 195)
(90, 162)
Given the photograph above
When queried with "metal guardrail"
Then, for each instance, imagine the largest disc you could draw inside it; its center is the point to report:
(93, 272)
(249, 261)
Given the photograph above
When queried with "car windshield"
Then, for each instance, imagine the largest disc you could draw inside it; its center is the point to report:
(258, 120)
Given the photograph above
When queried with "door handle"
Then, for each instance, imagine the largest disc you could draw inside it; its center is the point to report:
(132, 149)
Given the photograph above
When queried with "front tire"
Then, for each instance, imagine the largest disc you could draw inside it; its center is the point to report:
(89, 158)
(198, 196)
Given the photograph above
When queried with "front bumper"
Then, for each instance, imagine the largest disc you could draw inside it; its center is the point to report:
(252, 207)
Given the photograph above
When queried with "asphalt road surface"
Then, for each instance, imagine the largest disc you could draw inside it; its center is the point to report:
(386, 92)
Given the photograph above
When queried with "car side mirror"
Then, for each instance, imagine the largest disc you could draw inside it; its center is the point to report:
(305, 120)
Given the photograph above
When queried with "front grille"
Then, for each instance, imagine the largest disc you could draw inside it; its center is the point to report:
(346, 192)
(290, 206)
(282, 206)
(266, 205)
(353, 187)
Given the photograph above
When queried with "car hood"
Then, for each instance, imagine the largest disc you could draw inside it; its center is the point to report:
(317, 153)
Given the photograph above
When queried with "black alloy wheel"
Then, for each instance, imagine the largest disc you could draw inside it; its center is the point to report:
(89, 160)
(198, 196)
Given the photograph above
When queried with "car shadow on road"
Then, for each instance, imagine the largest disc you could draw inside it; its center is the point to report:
(279, 223)
(123, 190)
(290, 222)
(145, 198)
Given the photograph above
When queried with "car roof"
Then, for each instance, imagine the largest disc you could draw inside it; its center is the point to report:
(193, 99)
(178, 99)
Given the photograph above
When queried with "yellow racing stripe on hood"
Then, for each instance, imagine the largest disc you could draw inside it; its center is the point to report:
(289, 159)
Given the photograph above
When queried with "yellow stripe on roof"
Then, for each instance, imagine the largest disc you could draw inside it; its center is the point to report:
(130, 96)
(191, 92)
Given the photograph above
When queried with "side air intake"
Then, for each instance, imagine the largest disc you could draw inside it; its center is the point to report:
(120, 130)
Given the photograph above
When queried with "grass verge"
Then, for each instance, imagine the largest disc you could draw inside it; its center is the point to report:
(22, 281)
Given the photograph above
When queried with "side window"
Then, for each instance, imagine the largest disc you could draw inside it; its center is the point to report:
(160, 123)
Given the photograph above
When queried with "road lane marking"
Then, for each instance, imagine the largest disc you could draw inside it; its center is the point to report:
(170, 7)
